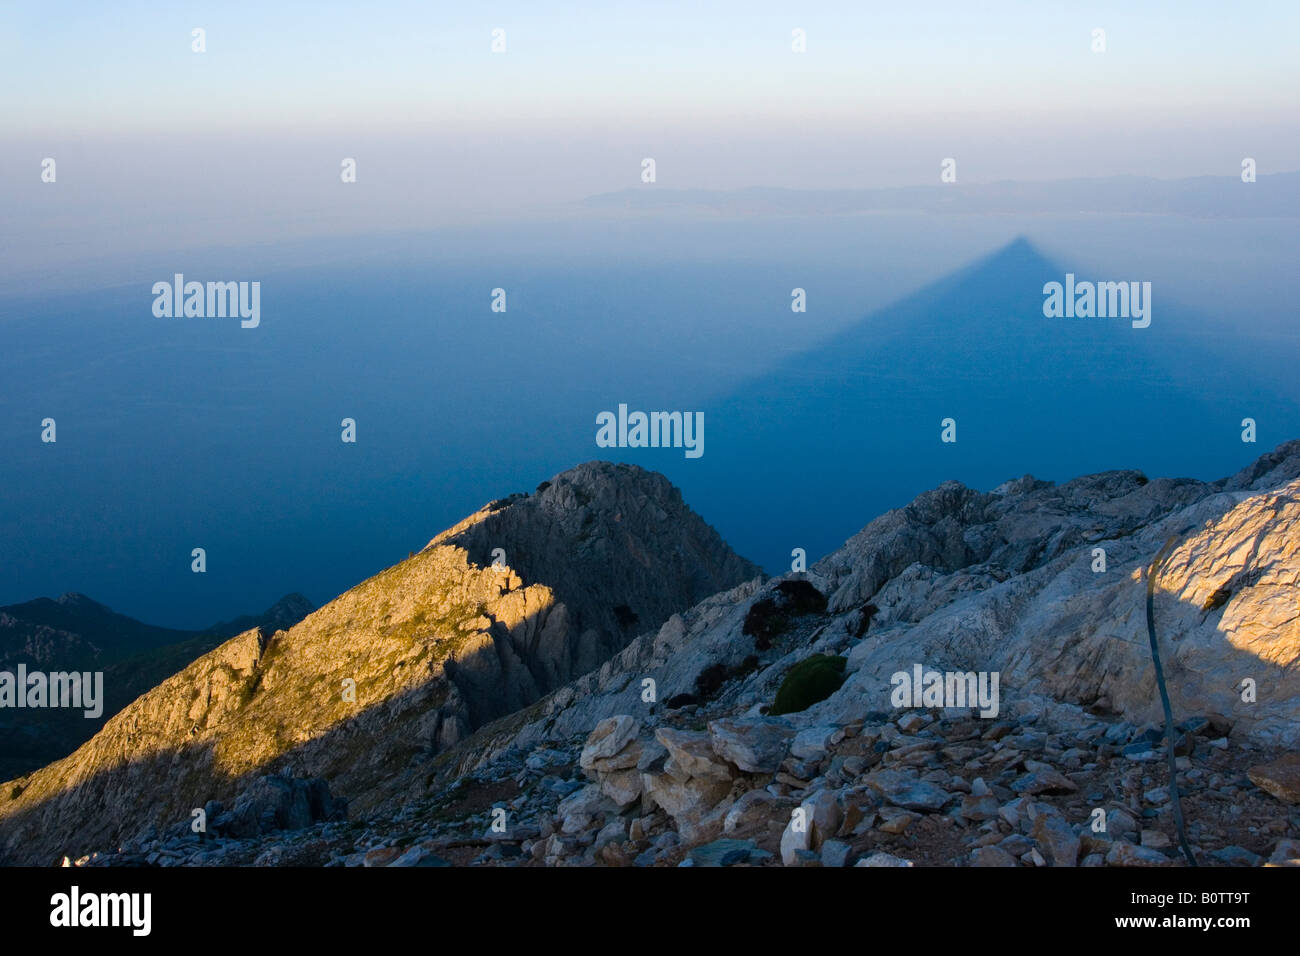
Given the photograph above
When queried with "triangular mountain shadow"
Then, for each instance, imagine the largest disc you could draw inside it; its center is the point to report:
(852, 427)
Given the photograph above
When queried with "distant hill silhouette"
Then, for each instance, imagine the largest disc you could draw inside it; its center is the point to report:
(75, 633)
(1216, 197)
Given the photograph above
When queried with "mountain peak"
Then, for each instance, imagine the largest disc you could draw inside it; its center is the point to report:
(564, 534)
(75, 599)
(287, 611)
(513, 602)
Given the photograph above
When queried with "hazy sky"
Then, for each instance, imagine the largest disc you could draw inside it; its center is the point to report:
(293, 66)
(158, 146)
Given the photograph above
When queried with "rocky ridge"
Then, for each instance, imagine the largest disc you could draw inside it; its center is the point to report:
(394, 671)
(668, 753)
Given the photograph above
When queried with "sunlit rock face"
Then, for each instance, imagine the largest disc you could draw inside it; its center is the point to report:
(518, 598)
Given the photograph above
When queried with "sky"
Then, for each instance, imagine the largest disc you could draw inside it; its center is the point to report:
(158, 147)
(298, 66)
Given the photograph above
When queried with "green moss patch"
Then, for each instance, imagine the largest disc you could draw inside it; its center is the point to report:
(810, 681)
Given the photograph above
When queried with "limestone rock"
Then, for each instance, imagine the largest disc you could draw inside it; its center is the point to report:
(607, 741)
(979, 808)
(907, 791)
(683, 799)
(382, 856)
(1056, 841)
(1281, 777)
(578, 810)
(622, 786)
(691, 754)
(278, 802)
(815, 742)
(753, 810)
(824, 816)
(835, 853)
(755, 745)
(797, 837)
(503, 674)
(1126, 854)
(1286, 851)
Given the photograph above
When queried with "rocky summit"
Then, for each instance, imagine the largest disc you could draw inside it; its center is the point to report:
(512, 602)
(968, 681)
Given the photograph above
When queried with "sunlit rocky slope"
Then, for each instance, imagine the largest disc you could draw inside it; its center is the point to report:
(505, 720)
(395, 670)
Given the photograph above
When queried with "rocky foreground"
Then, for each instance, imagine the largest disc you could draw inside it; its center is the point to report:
(762, 725)
(923, 789)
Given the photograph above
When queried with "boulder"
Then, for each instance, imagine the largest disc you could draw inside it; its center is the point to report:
(691, 754)
(906, 790)
(683, 799)
(1286, 852)
(579, 809)
(621, 786)
(1126, 854)
(979, 808)
(381, 856)
(1042, 778)
(1056, 841)
(835, 854)
(279, 802)
(824, 816)
(797, 838)
(1281, 778)
(607, 741)
(613, 832)
(754, 744)
(815, 742)
(754, 810)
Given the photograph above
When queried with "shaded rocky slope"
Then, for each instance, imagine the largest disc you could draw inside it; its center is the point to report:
(1002, 580)
(619, 546)
(395, 670)
(959, 580)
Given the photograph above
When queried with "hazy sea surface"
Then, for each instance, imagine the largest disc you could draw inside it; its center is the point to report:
(183, 433)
